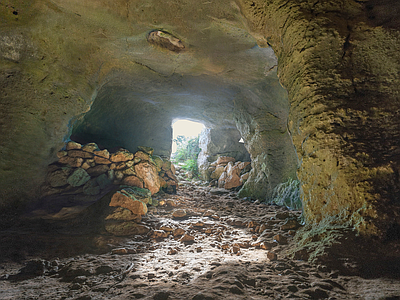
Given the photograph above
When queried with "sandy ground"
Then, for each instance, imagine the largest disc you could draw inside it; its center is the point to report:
(201, 246)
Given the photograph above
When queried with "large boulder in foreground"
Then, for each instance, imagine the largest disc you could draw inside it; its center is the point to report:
(149, 174)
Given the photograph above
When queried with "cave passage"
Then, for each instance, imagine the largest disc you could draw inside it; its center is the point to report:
(188, 129)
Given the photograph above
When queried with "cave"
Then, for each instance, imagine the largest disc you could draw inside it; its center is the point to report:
(305, 91)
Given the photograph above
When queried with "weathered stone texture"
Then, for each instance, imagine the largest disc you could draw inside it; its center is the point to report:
(339, 71)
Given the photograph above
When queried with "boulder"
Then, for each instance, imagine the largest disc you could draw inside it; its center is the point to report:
(135, 206)
(243, 165)
(158, 161)
(148, 173)
(61, 153)
(217, 172)
(97, 170)
(91, 147)
(147, 150)
(224, 160)
(74, 162)
(221, 180)
(129, 171)
(244, 178)
(121, 214)
(79, 153)
(138, 193)
(73, 145)
(59, 178)
(101, 160)
(126, 228)
(142, 156)
(102, 153)
(132, 181)
(78, 177)
(232, 181)
(121, 155)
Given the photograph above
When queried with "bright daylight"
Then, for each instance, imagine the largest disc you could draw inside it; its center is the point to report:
(186, 128)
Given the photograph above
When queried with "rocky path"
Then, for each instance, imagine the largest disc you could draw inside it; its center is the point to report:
(201, 246)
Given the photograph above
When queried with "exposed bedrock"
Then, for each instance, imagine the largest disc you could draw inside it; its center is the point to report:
(338, 61)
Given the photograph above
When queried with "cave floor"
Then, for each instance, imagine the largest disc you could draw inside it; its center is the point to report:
(213, 255)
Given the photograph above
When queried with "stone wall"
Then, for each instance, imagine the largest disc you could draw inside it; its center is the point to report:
(341, 73)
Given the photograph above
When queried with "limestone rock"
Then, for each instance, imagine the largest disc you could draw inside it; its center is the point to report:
(221, 180)
(121, 155)
(147, 150)
(142, 156)
(137, 193)
(59, 178)
(217, 172)
(79, 153)
(148, 173)
(187, 238)
(132, 181)
(74, 162)
(158, 234)
(165, 40)
(61, 154)
(126, 228)
(290, 224)
(91, 147)
(243, 165)
(272, 256)
(244, 178)
(178, 232)
(135, 206)
(102, 160)
(129, 171)
(158, 161)
(73, 145)
(280, 239)
(121, 214)
(179, 213)
(224, 160)
(97, 170)
(78, 177)
(232, 181)
(85, 166)
(102, 153)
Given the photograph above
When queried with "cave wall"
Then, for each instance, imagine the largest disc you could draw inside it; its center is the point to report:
(339, 62)
(59, 57)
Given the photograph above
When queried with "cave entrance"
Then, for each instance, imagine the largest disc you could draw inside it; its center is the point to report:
(182, 131)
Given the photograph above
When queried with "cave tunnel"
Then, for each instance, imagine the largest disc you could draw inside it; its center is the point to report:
(311, 87)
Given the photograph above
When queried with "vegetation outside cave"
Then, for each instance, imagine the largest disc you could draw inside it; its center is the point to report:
(187, 152)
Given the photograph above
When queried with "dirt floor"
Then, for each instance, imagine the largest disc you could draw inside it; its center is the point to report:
(200, 246)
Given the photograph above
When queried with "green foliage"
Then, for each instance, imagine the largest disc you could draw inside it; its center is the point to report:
(288, 194)
(187, 152)
(191, 165)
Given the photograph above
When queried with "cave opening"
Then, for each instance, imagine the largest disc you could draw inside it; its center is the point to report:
(185, 128)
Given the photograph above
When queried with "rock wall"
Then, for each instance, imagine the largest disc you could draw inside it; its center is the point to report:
(90, 171)
(216, 142)
(340, 65)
